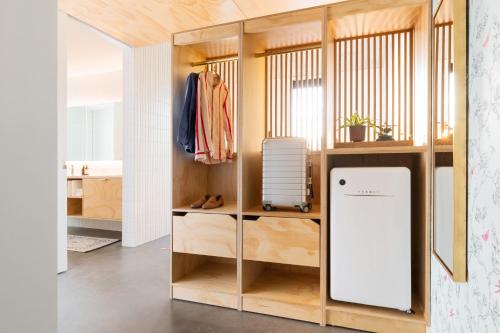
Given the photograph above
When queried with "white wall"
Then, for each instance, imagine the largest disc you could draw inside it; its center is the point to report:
(95, 89)
(62, 229)
(475, 306)
(28, 168)
(146, 109)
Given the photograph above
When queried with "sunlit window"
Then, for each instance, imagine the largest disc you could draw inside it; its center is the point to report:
(294, 96)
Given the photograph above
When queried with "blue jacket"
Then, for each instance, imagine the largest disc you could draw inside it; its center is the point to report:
(186, 134)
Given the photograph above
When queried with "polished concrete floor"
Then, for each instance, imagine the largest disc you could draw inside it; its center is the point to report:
(125, 290)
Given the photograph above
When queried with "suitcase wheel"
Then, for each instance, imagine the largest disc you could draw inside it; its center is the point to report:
(305, 209)
(267, 207)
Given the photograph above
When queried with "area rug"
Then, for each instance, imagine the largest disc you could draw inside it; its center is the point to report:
(87, 244)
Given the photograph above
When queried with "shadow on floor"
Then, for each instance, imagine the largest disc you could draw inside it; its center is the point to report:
(122, 290)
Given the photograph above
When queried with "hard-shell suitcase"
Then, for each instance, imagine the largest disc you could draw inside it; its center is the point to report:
(286, 173)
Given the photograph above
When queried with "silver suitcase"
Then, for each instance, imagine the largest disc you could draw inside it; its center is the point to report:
(286, 173)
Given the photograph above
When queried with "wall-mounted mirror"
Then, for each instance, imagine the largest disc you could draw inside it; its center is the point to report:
(450, 136)
(94, 132)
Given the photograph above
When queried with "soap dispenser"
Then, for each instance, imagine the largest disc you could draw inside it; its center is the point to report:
(85, 169)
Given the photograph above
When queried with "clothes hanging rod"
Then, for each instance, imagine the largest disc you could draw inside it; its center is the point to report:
(214, 60)
(288, 49)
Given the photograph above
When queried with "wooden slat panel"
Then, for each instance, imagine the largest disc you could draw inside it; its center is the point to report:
(374, 71)
(292, 100)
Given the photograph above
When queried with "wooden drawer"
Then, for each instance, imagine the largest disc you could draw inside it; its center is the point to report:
(102, 198)
(281, 240)
(206, 234)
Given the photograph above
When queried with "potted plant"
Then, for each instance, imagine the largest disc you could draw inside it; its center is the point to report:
(357, 127)
(384, 133)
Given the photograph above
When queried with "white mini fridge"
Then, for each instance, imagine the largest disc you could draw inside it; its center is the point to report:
(370, 236)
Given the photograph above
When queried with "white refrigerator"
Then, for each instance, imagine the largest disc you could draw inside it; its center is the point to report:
(370, 236)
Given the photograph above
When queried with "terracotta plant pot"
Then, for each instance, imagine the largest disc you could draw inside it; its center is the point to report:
(357, 133)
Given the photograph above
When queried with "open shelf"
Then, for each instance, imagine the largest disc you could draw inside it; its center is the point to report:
(315, 212)
(443, 148)
(228, 208)
(372, 317)
(282, 290)
(213, 276)
(204, 279)
(377, 150)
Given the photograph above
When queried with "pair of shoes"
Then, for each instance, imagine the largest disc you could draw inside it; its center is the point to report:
(208, 202)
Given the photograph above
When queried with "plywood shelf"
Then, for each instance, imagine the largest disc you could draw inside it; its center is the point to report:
(378, 150)
(284, 293)
(364, 316)
(283, 286)
(443, 148)
(211, 283)
(213, 276)
(315, 212)
(229, 208)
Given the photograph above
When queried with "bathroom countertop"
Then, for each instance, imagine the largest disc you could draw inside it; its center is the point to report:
(94, 176)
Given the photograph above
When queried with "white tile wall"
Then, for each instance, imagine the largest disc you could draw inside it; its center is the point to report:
(146, 109)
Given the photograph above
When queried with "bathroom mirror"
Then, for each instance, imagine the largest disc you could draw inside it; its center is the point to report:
(94, 132)
(449, 129)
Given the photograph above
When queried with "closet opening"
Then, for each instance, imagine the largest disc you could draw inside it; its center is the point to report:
(378, 67)
(213, 60)
(283, 66)
(378, 64)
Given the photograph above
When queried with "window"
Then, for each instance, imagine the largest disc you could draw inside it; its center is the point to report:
(294, 96)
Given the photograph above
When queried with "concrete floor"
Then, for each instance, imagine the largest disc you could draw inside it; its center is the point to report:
(117, 289)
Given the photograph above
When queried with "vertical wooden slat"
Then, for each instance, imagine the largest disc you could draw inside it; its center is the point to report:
(448, 113)
(411, 83)
(296, 85)
(276, 124)
(319, 98)
(267, 114)
(405, 118)
(306, 78)
(345, 89)
(362, 77)
(399, 86)
(356, 78)
(392, 75)
(286, 133)
(387, 78)
(442, 78)
(380, 79)
(368, 106)
(351, 79)
(335, 91)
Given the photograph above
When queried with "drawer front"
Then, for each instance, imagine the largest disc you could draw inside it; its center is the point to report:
(204, 296)
(280, 309)
(281, 240)
(206, 234)
(102, 198)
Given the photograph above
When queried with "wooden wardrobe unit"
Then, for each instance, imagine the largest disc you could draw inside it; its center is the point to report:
(277, 263)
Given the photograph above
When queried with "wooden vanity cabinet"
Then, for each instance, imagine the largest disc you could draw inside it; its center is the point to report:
(102, 198)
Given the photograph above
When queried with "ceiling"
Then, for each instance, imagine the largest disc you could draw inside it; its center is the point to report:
(89, 52)
(146, 22)
(445, 12)
(373, 22)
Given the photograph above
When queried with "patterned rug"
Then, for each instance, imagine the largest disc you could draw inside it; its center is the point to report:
(87, 244)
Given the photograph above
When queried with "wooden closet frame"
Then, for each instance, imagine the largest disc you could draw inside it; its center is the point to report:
(228, 260)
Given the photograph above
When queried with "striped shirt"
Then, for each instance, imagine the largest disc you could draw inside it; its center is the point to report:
(214, 120)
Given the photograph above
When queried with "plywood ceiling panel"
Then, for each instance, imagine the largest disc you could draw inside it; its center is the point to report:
(445, 12)
(375, 22)
(257, 8)
(146, 22)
